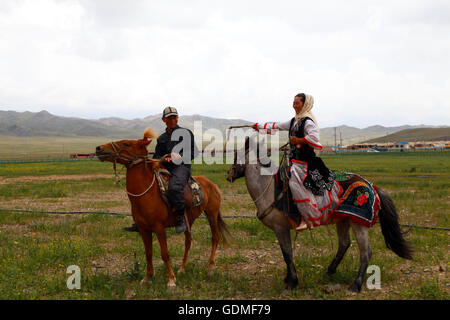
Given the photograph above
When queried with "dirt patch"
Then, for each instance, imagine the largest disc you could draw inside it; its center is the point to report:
(82, 202)
(16, 228)
(112, 263)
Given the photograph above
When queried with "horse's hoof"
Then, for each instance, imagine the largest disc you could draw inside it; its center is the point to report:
(144, 282)
(354, 288)
(291, 284)
(171, 285)
(181, 270)
(210, 270)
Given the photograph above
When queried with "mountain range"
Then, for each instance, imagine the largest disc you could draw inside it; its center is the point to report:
(43, 123)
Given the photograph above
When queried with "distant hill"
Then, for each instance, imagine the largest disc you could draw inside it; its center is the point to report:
(187, 121)
(28, 124)
(354, 135)
(415, 135)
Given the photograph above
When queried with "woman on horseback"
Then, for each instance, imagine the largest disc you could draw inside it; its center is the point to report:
(312, 184)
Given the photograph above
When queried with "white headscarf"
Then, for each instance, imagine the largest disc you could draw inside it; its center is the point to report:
(306, 110)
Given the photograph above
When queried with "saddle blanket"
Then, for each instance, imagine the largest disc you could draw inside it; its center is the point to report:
(359, 200)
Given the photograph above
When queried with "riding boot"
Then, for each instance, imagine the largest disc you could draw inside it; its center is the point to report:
(133, 228)
(304, 225)
(305, 211)
(181, 223)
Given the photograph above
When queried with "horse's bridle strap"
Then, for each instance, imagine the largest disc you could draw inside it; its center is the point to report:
(132, 159)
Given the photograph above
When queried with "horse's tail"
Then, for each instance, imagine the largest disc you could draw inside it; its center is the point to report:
(224, 232)
(390, 227)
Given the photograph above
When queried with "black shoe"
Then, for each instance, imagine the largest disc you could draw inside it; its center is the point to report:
(181, 224)
(133, 228)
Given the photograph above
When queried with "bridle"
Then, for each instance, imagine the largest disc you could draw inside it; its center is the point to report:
(263, 214)
(131, 160)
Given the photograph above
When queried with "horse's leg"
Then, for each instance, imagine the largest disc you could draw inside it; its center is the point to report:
(365, 253)
(284, 238)
(187, 246)
(161, 234)
(213, 224)
(342, 228)
(147, 238)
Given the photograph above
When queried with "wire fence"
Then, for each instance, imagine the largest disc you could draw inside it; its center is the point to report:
(410, 226)
(16, 161)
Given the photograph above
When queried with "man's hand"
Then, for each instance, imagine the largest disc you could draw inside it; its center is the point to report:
(255, 127)
(172, 157)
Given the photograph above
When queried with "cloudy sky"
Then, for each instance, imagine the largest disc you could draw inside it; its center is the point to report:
(365, 62)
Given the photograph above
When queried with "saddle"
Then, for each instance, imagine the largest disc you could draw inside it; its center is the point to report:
(193, 194)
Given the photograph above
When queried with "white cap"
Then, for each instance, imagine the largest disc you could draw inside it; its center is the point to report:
(169, 111)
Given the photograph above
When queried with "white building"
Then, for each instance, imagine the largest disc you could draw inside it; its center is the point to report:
(401, 145)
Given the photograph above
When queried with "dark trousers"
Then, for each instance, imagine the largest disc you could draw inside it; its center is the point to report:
(180, 177)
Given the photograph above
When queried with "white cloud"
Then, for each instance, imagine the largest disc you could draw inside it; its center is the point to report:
(365, 62)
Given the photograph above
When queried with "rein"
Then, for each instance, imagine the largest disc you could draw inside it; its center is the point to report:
(265, 190)
(262, 215)
(139, 195)
(133, 160)
(269, 208)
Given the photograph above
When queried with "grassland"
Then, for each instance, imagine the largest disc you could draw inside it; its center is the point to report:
(36, 248)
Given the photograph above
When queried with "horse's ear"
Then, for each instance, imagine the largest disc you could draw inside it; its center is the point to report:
(145, 141)
(247, 143)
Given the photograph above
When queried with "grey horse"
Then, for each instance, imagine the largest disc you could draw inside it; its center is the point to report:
(261, 189)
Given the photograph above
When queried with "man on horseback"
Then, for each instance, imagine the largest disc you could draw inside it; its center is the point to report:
(177, 148)
(312, 184)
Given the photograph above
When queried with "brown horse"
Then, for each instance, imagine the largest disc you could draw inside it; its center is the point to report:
(149, 211)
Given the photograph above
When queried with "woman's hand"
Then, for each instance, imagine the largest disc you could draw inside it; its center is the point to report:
(296, 140)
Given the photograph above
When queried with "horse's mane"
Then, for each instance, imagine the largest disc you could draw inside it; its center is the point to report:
(155, 164)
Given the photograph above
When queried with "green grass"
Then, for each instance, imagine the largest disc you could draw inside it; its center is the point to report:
(37, 248)
(437, 163)
(12, 170)
(56, 189)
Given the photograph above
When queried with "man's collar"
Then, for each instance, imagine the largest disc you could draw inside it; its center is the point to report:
(176, 127)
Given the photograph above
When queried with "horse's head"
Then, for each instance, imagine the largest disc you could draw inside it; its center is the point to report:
(250, 154)
(236, 171)
(125, 151)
